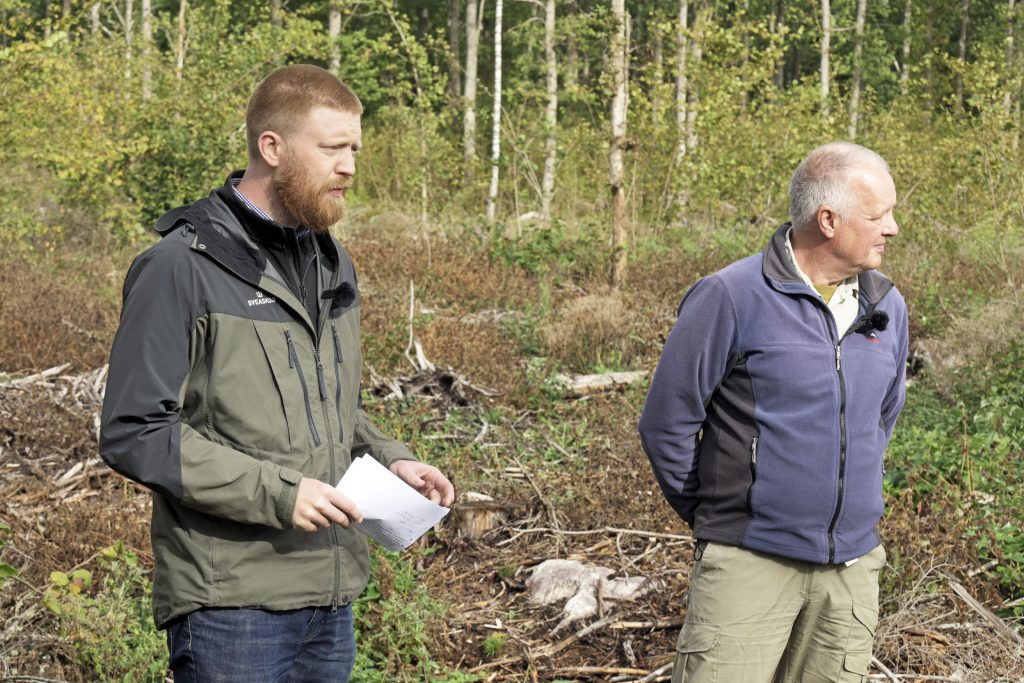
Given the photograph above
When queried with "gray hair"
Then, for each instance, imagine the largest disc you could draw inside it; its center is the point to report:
(823, 179)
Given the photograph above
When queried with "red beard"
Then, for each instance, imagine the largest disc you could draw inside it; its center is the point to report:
(310, 204)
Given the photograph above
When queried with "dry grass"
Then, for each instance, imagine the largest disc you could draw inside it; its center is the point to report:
(54, 313)
(588, 331)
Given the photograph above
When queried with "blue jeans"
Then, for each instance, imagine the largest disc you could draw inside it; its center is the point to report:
(232, 645)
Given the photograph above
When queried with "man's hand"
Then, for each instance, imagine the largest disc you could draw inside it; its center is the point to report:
(318, 504)
(426, 479)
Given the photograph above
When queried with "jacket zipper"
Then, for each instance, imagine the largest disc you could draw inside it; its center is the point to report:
(318, 334)
(337, 375)
(293, 362)
(753, 475)
(841, 484)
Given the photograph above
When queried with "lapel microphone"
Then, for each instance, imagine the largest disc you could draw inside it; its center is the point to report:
(869, 322)
(343, 295)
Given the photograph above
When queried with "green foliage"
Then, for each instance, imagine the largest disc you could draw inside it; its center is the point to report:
(109, 623)
(393, 626)
(494, 644)
(6, 571)
(969, 447)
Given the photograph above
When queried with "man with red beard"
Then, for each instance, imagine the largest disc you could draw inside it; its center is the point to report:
(233, 395)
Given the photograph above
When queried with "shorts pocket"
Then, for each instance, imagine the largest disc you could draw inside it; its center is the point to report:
(861, 640)
(695, 641)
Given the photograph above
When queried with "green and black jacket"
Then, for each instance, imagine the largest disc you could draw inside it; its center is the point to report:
(222, 395)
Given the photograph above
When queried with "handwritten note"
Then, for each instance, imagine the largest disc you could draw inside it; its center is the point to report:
(394, 513)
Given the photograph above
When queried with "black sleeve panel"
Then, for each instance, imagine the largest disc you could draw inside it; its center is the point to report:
(140, 434)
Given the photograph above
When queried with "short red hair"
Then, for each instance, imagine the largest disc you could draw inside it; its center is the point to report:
(284, 98)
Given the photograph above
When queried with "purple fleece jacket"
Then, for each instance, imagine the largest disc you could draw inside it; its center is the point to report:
(764, 425)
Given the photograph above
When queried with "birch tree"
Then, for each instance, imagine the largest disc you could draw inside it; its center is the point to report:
(908, 11)
(179, 53)
(147, 44)
(1010, 26)
(826, 38)
(474, 21)
(551, 114)
(333, 34)
(454, 36)
(492, 194)
(858, 55)
(616, 157)
(682, 26)
(696, 49)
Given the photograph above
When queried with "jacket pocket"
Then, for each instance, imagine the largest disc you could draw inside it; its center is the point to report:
(293, 363)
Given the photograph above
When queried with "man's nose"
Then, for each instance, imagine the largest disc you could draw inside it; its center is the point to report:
(346, 164)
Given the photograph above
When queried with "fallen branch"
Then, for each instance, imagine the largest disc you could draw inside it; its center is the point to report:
(998, 624)
(37, 377)
(657, 623)
(602, 530)
(581, 385)
(584, 670)
(884, 669)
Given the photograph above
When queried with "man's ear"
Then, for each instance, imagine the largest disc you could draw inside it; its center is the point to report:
(828, 219)
(271, 146)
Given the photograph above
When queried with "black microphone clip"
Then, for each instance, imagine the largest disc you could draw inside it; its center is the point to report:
(341, 296)
(869, 322)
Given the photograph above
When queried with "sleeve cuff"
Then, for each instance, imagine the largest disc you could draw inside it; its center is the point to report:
(286, 498)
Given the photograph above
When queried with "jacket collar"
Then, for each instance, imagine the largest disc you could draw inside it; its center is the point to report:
(779, 270)
(230, 233)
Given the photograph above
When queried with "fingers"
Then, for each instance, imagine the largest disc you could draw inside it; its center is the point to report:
(317, 505)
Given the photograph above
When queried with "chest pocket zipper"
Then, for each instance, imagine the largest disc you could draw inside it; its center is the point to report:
(293, 362)
(337, 380)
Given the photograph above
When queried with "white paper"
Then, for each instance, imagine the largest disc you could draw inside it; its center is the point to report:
(394, 513)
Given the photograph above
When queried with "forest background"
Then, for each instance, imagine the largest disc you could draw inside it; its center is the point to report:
(540, 183)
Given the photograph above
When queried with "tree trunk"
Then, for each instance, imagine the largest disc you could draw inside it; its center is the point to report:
(571, 70)
(65, 9)
(681, 85)
(147, 44)
(333, 34)
(962, 51)
(1010, 31)
(746, 49)
(858, 55)
(616, 158)
(658, 62)
(908, 11)
(47, 28)
(454, 37)
(696, 48)
(492, 195)
(826, 38)
(179, 57)
(128, 21)
(551, 115)
(275, 12)
(474, 21)
(780, 30)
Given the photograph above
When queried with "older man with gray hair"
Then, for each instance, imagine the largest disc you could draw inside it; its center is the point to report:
(766, 424)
